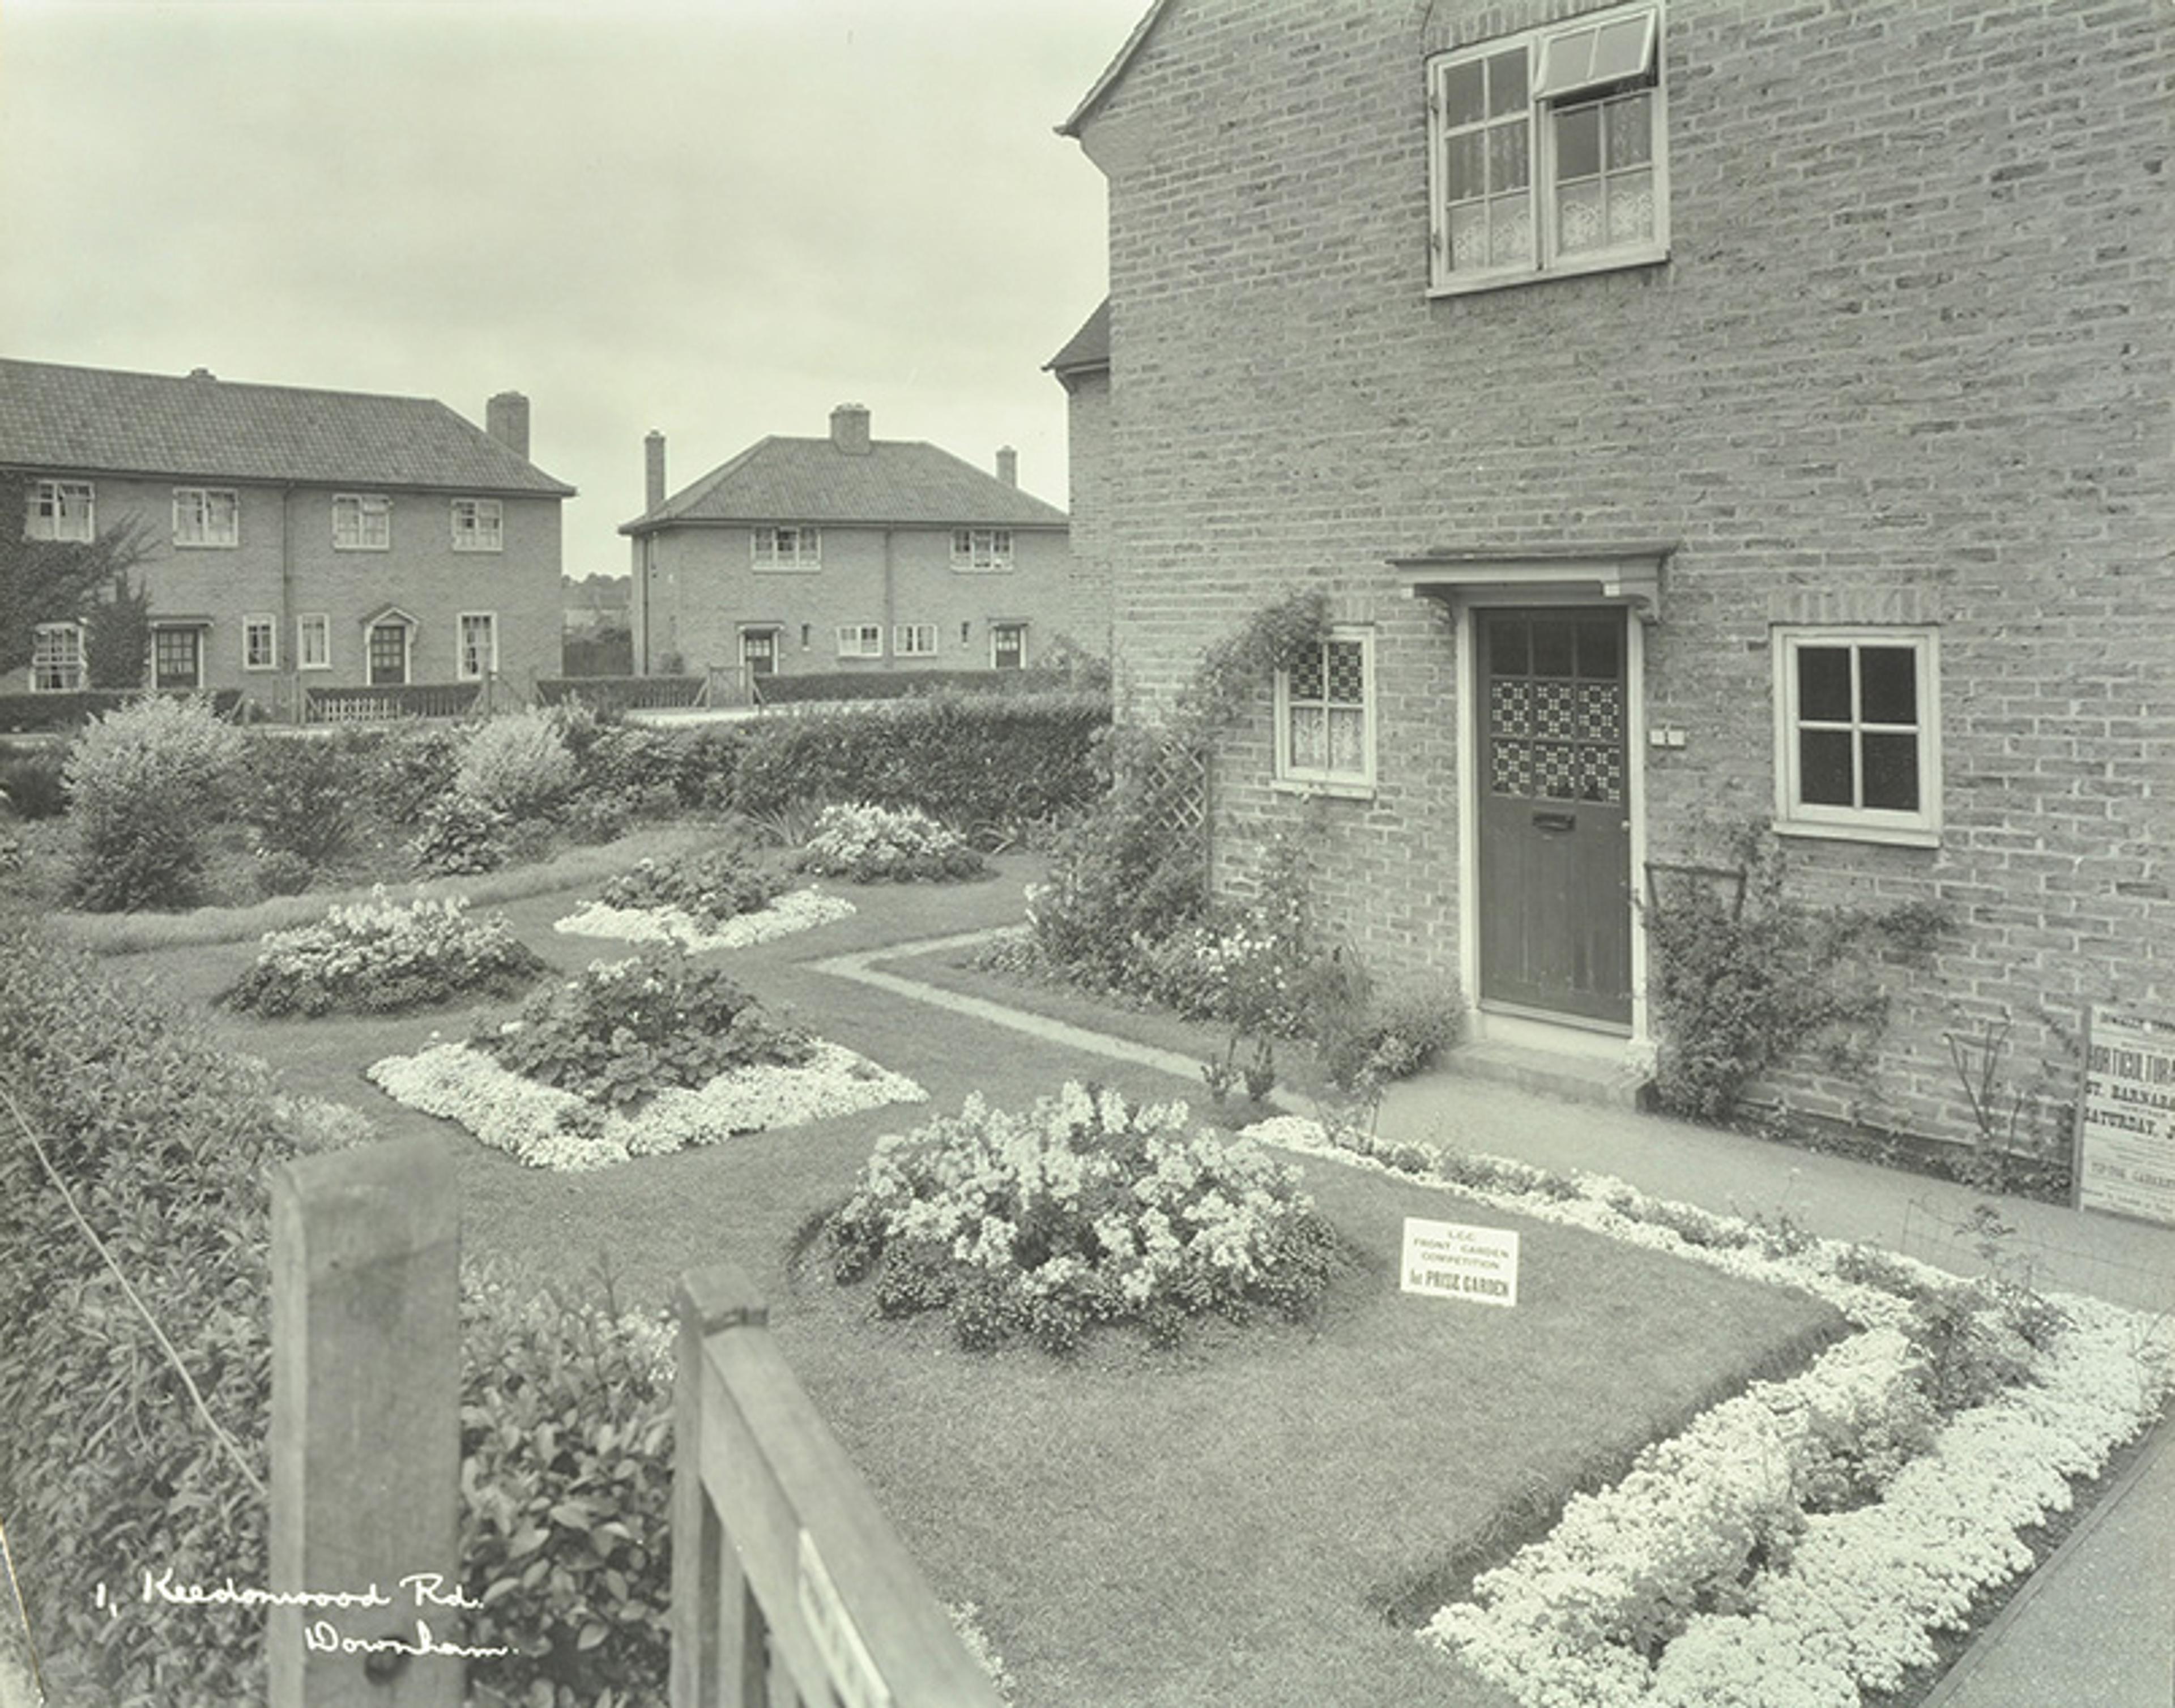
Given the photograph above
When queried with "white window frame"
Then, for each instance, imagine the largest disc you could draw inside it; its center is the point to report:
(773, 555)
(1325, 780)
(62, 509)
(466, 669)
(317, 625)
(860, 640)
(56, 659)
(1796, 816)
(914, 640)
(362, 522)
(255, 625)
(479, 524)
(982, 550)
(1539, 45)
(197, 524)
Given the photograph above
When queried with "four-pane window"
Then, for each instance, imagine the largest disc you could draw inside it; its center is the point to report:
(1857, 738)
(860, 640)
(206, 516)
(914, 640)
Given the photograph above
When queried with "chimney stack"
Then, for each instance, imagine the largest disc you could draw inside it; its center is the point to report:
(1008, 465)
(653, 468)
(506, 419)
(849, 429)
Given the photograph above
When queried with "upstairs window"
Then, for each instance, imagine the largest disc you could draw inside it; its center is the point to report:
(479, 524)
(1857, 739)
(1325, 717)
(362, 522)
(1546, 153)
(982, 550)
(56, 659)
(789, 548)
(59, 510)
(206, 516)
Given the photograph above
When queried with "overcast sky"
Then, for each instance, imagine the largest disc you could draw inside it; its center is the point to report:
(717, 218)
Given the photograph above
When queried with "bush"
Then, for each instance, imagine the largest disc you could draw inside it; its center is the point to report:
(32, 783)
(1086, 1209)
(712, 886)
(411, 770)
(516, 764)
(868, 844)
(298, 795)
(462, 835)
(147, 785)
(625, 1030)
(1390, 1034)
(383, 956)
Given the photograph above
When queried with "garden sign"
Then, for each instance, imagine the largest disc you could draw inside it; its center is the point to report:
(2125, 1160)
(1451, 1260)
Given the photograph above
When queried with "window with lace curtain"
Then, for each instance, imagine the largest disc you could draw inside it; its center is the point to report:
(1326, 716)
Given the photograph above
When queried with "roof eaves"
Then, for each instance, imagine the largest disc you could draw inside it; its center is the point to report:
(1116, 69)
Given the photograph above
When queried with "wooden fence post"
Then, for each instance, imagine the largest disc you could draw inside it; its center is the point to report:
(365, 1428)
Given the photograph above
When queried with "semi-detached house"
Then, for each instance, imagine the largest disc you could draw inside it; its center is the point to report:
(293, 540)
(1699, 414)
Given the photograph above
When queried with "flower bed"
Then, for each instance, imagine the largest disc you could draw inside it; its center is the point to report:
(711, 885)
(1085, 1209)
(635, 1058)
(795, 911)
(870, 844)
(384, 956)
(1798, 1544)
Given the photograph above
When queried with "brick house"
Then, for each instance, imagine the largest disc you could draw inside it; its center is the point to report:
(295, 538)
(1082, 367)
(1698, 413)
(848, 553)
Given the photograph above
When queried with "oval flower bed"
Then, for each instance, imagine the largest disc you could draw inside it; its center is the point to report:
(1799, 1543)
(874, 844)
(381, 956)
(636, 1058)
(1085, 1209)
(715, 899)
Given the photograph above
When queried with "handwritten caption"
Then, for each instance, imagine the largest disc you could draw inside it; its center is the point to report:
(422, 1590)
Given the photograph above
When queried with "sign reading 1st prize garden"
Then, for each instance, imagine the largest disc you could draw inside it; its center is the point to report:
(1451, 1260)
(2126, 1121)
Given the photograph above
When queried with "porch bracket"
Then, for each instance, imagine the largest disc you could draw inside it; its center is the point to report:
(1627, 573)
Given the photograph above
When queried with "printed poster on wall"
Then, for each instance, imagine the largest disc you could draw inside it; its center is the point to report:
(2126, 1118)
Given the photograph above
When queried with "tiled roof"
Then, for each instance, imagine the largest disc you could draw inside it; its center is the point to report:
(1115, 70)
(1087, 348)
(98, 420)
(907, 481)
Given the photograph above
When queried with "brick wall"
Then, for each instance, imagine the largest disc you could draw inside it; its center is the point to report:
(1913, 341)
(1086, 618)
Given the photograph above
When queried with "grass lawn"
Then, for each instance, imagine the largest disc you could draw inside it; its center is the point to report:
(1225, 1522)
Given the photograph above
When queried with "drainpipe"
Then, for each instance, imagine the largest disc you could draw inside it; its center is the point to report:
(890, 610)
(289, 637)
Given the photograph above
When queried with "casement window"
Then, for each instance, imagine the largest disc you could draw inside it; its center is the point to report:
(313, 642)
(981, 551)
(177, 657)
(789, 548)
(1857, 739)
(1546, 152)
(914, 640)
(362, 522)
(1007, 646)
(206, 516)
(56, 657)
(1326, 716)
(260, 642)
(479, 524)
(860, 640)
(60, 510)
(479, 654)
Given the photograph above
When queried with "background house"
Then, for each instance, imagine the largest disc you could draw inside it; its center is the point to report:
(849, 553)
(294, 538)
(1698, 414)
(1082, 367)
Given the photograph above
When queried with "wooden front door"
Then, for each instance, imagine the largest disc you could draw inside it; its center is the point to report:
(389, 655)
(1555, 813)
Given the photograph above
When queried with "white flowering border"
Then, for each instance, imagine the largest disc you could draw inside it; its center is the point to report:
(516, 1114)
(796, 911)
(1853, 1605)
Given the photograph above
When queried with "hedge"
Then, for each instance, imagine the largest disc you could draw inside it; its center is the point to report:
(23, 713)
(900, 684)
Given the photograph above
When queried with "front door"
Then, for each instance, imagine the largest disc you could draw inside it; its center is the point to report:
(759, 651)
(389, 655)
(1555, 816)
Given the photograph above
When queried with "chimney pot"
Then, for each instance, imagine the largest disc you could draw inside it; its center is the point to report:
(849, 429)
(201, 374)
(653, 449)
(506, 419)
(1008, 465)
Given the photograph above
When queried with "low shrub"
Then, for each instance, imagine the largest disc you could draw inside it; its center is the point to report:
(32, 783)
(383, 956)
(625, 1030)
(869, 844)
(713, 885)
(516, 764)
(1389, 1034)
(407, 770)
(1086, 1209)
(298, 795)
(148, 783)
(461, 835)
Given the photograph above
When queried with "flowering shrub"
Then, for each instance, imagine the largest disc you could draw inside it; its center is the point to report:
(516, 764)
(625, 1030)
(868, 844)
(147, 784)
(382, 956)
(1085, 1209)
(710, 887)
(461, 835)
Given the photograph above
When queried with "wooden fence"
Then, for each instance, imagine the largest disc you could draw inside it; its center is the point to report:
(386, 703)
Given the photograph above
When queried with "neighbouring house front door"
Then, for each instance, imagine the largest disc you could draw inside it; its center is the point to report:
(759, 651)
(1555, 813)
(389, 655)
